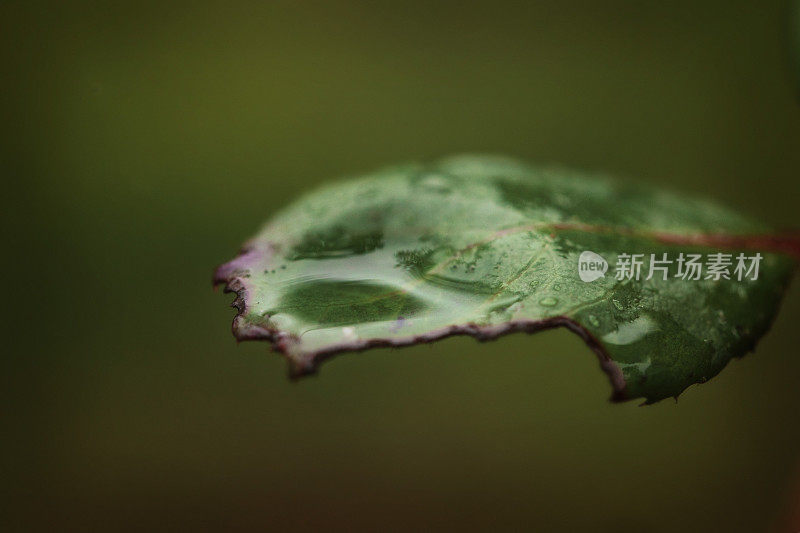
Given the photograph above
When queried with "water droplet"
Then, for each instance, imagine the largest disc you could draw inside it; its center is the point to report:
(436, 182)
(548, 301)
(557, 287)
(631, 332)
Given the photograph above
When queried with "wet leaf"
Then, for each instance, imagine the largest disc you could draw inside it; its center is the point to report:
(486, 246)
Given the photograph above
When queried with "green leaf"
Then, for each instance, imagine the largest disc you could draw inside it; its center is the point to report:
(486, 246)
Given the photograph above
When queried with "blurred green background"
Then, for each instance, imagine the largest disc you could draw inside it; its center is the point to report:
(144, 142)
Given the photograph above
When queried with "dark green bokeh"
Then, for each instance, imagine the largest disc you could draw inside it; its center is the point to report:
(144, 143)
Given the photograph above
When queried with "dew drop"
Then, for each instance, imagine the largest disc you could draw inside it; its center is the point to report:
(548, 301)
(436, 183)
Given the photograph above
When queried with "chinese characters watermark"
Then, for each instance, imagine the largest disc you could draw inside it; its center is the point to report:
(689, 266)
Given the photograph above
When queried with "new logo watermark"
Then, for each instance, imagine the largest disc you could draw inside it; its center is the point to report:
(591, 266)
(712, 266)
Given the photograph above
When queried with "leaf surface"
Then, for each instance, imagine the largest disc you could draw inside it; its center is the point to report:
(487, 246)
